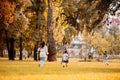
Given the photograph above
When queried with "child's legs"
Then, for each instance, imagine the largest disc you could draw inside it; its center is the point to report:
(105, 61)
(61, 60)
(42, 60)
(66, 63)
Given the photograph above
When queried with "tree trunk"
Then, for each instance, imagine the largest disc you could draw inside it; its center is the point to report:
(1, 53)
(51, 41)
(35, 53)
(12, 51)
(7, 43)
(37, 27)
(20, 57)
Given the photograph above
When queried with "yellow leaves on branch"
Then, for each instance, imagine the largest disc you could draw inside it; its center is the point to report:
(109, 38)
(105, 46)
(58, 25)
(6, 11)
(99, 42)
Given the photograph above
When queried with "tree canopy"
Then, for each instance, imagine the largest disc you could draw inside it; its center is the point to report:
(26, 23)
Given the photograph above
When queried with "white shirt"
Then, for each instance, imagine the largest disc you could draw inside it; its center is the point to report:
(43, 51)
(65, 57)
(25, 53)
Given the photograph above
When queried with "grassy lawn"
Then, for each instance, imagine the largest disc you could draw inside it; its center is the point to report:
(29, 70)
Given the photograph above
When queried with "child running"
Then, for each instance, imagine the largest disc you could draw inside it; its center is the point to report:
(65, 57)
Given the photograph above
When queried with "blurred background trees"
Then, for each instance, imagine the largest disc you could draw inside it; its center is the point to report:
(26, 23)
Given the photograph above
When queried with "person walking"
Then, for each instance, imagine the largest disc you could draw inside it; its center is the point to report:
(25, 53)
(43, 52)
(105, 58)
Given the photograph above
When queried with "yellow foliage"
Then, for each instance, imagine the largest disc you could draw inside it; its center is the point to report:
(6, 11)
(59, 25)
(98, 42)
(101, 44)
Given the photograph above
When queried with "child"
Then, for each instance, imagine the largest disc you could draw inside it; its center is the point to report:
(25, 53)
(43, 52)
(65, 59)
(105, 58)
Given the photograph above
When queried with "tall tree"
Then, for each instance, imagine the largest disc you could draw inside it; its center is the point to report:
(38, 22)
(51, 42)
(6, 18)
(20, 23)
(2, 42)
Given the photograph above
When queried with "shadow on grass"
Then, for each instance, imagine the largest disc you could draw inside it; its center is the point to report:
(85, 61)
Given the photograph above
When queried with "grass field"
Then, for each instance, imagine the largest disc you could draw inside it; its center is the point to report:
(29, 70)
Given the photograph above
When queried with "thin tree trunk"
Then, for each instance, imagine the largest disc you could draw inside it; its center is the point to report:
(1, 53)
(51, 41)
(37, 27)
(7, 43)
(35, 53)
(12, 51)
(20, 57)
